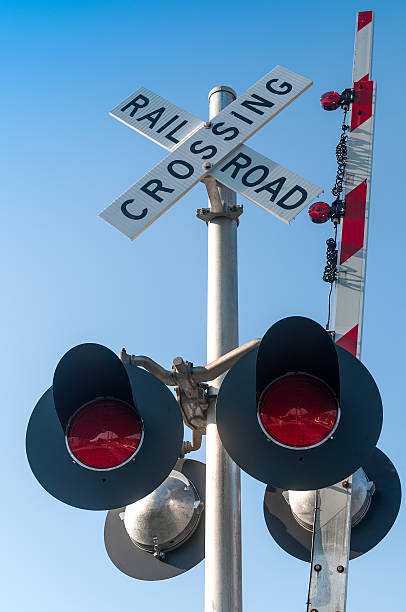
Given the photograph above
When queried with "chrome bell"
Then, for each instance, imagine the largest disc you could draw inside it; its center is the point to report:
(302, 503)
(166, 518)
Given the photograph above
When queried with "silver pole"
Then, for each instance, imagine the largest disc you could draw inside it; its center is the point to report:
(223, 591)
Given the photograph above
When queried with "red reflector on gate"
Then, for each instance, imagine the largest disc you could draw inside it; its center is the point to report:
(319, 212)
(330, 100)
(104, 433)
(298, 410)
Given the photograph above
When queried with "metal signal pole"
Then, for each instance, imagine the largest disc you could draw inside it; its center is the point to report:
(223, 592)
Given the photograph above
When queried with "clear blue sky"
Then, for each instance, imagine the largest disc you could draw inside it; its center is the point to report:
(68, 277)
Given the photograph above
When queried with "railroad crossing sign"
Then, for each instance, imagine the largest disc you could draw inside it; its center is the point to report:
(215, 148)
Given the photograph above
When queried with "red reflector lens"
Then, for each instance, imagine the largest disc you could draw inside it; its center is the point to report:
(330, 100)
(319, 212)
(298, 410)
(104, 433)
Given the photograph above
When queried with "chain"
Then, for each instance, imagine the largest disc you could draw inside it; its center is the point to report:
(330, 270)
(341, 155)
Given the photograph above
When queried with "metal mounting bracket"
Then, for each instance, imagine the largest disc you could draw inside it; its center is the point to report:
(192, 397)
(191, 392)
(232, 212)
(218, 206)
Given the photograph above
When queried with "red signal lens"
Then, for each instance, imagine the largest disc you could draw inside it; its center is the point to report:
(298, 410)
(319, 212)
(330, 100)
(104, 434)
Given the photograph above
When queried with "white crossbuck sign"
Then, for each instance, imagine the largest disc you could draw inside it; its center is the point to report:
(198, 149)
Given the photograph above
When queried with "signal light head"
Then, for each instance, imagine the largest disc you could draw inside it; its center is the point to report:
(92, 438)
(104, 434)
(319, 212)
(330, 100)
(298, 411)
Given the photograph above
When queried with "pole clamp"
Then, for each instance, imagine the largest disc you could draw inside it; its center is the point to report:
(218, 206)
(230, 212)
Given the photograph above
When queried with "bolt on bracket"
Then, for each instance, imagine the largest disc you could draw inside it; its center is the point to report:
(158, 553)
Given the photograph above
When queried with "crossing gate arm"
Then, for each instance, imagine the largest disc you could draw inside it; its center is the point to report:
(332, 526)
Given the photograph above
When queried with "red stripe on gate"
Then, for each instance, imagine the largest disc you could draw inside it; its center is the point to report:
(349, 341)
(362, 104)
(363, 19)
(352, 237)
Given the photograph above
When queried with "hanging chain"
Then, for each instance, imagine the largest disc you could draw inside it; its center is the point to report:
(341, 155)
(338, 210)
(330, 271)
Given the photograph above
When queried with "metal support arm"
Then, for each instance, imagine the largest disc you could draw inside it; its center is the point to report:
(165, 376)
(198, 374)
(188, 380)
